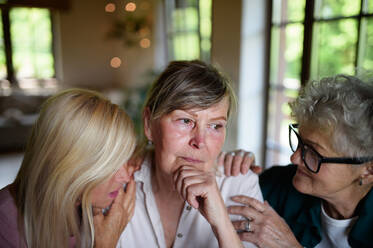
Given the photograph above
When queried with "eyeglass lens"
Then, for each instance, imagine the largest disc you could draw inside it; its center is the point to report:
(293, 139)
(310, 158)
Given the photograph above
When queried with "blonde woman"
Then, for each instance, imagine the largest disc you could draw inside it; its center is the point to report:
(74, 168)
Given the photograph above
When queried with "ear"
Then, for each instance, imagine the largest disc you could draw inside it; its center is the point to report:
(367, 176)
(147, 124)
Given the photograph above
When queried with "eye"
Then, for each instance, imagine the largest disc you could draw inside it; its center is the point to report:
(216, 126)
(186, 121)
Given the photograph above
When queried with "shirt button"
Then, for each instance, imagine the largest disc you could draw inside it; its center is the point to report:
(179, 235)
(188, 208)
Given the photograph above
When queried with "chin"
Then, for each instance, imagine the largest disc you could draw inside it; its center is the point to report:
(301, 183)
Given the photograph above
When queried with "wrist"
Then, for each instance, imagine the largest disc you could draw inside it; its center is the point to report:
(226, 234)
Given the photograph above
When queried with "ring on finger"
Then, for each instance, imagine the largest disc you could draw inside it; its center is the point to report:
(232, 154)
(247, 226)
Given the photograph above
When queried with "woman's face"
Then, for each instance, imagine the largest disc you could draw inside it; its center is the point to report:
(104, 194)
(332, 179)
(189, 137)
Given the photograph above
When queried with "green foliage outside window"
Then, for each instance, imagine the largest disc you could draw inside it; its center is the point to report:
(190, 34)
(31, 36)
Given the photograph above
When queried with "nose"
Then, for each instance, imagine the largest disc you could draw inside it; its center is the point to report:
(122, 175)
(296, 157)
(198, 139)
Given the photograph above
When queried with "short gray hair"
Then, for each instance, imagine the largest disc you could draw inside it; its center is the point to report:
(342, 106)
(187, 85)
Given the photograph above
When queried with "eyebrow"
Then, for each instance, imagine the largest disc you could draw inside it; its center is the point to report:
(190, 112)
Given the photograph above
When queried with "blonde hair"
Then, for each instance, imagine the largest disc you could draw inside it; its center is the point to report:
(79, 140)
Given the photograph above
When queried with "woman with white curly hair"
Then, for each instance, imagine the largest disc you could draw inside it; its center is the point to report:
(325, 197)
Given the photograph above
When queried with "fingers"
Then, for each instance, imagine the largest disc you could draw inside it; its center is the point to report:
(252, 202)
(247, 212)
(130, 198)
(188, 183)
(237, 163)
(228, 158)
(248, 162)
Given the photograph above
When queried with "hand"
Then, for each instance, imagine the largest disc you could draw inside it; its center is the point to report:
(200, 190)
(238, 161)
(134, 163)
(267, 228)
(109, 228)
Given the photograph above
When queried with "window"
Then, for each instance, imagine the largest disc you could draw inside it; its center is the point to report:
(26, 47)
(188, 29)
(309, 40)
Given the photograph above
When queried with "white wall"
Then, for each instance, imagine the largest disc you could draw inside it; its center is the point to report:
(225, 53)
(251, 90)
(238, 46)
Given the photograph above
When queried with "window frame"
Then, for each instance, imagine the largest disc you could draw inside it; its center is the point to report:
(5, 9)
(169, 7)
(305, 73)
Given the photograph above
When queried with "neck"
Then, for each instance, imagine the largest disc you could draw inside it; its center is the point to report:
(164, 187)
(338, 207)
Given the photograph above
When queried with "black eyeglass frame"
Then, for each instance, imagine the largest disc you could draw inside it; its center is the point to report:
(322, 159)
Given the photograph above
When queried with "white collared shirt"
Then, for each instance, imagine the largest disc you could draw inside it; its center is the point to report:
(145, 228)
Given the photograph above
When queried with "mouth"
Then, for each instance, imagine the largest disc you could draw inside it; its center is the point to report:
(192, 160)
(302, 172)
(113, 194)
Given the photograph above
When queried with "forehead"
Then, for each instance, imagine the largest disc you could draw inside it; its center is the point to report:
(220, 109)
(318, 137)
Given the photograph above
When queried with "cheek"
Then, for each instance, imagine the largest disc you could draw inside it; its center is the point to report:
(172, 138)
(216, 142)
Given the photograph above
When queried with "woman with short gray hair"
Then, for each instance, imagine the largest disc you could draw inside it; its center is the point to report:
(326, 196)
(181, 194)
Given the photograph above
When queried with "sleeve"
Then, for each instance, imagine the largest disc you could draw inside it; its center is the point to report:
(276, 185)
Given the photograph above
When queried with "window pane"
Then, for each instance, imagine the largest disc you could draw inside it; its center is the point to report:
(284, 10)
(278, 121)
(366, 45)
(3, 71)
(31, 36)
(334, 8)
(205, 28)
(333, 48)
(186, 46)
(286, 54)
(185, 19)
(367, 6)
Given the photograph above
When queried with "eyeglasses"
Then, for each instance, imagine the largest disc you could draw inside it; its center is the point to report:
(311, 158)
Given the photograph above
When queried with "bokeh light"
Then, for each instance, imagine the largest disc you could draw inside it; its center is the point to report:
(115, 62)
(145, 43)
(130, 7)
(110, 7)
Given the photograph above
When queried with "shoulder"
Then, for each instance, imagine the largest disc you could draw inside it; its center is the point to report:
(276, 176)
(8, 219)
(247, 184)
(277, 188)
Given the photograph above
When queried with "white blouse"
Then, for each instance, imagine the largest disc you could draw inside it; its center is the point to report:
(145, 228)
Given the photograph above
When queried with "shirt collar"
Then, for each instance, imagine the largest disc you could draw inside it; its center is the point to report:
(361, 233)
